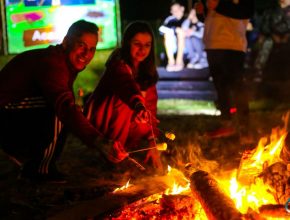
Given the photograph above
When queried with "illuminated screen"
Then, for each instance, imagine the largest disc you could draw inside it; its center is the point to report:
(38, 23)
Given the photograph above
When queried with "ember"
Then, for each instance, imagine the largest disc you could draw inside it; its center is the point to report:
(167, 207)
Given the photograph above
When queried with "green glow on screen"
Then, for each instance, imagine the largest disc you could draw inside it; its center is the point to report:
(30, 26)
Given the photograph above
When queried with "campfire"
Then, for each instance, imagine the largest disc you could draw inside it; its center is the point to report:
(258, 189)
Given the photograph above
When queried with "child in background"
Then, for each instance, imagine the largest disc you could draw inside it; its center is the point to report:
(174, 37)
(193, 31)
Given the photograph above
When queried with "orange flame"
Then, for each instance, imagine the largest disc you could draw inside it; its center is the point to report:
(182, 186)
(243, 185)
(126, 186)
(255, 193)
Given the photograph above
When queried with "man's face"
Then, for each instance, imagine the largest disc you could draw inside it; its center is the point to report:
(83, 51)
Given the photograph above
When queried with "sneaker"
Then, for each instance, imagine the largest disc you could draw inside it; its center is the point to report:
(221, 132)
(200, 65)
(190, 66)
(170, 68)
(179, 67)
(54, 176)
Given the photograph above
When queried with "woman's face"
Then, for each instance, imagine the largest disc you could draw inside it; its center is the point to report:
(140, 48)
(192, 15)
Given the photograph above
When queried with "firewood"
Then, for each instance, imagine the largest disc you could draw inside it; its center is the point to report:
(247, 174)
(273, 210)
(276, 177)
(216, 204)
(285, 152)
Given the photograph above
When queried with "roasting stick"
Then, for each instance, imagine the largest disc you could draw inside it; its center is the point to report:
(167, 134)
(138, 165)
(140, 150)
(160, 147)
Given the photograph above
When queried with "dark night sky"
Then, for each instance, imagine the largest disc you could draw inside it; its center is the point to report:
(146, 9)
(159, 9)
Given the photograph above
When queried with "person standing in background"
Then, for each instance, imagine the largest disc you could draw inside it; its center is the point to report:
(225, 44)
(273, 60)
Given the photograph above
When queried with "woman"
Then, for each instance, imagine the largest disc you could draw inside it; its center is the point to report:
(226, 46)
(124, 104)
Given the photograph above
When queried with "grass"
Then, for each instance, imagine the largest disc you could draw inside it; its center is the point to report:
(186, 107)
(198, 107)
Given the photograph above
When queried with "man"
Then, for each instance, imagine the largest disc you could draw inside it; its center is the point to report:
(37, 104)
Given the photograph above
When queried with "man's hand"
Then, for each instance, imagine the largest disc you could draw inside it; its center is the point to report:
(113, 151)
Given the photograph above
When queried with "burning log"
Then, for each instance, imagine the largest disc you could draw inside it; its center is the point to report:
(273, 211)
(246, 172)
(285, 152)
(216, 204)
(277, 176)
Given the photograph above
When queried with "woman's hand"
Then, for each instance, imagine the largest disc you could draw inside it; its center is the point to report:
(154, 156)
(141, 114)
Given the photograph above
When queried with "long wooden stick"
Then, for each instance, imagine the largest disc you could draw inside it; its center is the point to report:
(143, 149)
(137, 164)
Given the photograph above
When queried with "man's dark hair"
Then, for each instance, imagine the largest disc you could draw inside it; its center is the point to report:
(78, 28)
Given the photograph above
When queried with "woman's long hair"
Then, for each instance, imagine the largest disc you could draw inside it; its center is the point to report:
(147, 74)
